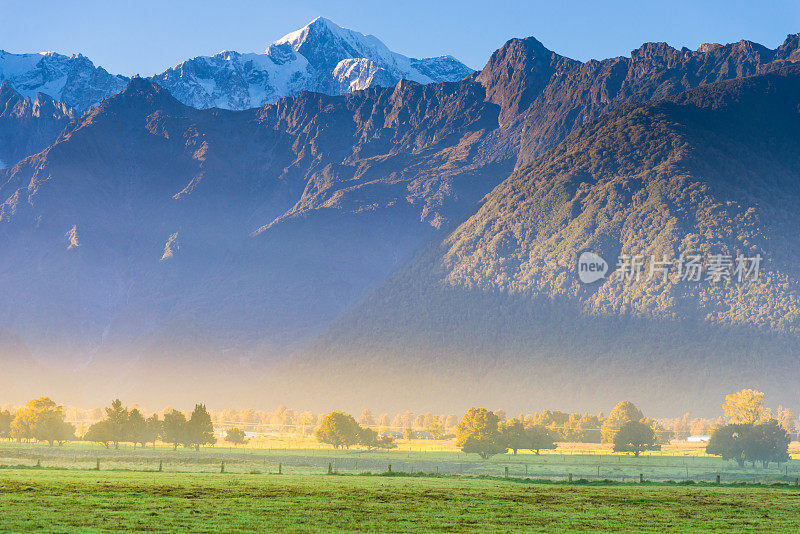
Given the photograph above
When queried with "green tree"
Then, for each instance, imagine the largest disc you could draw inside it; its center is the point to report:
(478, 433)
(117, 416)
(435, 427)
(729, 442)
(514, 434)
(235, 436)
(338, 429)
(409, 433)
(5, 423)
(538, 437)
(199, 428)
(153, 429)
(622, 413)
(768, 442)
(582, 428)
(41, 419)
(635, 436)
(52, 428)
(100, 432)
(745, 406)
(370, 439)
(136, 428)
(174, 428)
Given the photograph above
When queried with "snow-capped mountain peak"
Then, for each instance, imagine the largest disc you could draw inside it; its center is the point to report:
(73, 80)
(322, 37)
(321, 57)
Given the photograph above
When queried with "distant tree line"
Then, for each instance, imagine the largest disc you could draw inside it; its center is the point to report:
(43, 420)
(565, 426)
(748, 432)
(123, 425)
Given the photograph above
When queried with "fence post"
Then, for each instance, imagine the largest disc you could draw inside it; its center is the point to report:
(38, 462)
(569, 478)
(506, 472)
(390, 468)
(437, 469)
(160, 465)
(717, 479)
(526, 469)
(98, 464)
(280, 468)
(222, 467)
(330, 468)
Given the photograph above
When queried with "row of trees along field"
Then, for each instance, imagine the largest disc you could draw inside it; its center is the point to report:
(752, 434)
(572, 427)
(43, 420)
(748, 432)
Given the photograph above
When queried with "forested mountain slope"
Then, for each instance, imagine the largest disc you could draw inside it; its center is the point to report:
(496, 314)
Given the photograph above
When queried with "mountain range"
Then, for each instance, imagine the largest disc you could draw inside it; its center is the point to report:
(413, 240)
(321, 57)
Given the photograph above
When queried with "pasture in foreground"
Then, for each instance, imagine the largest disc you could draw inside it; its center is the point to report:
(673, 463)
(60, 501)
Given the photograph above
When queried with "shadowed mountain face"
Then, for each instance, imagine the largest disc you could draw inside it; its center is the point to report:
(496, 314)
(545, 96)
(152, 232)
(28, 126)
(152, 237)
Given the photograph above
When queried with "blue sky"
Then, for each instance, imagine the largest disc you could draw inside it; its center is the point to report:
(146, 37)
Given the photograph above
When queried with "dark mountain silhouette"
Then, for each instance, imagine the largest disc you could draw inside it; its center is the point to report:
(28, 126)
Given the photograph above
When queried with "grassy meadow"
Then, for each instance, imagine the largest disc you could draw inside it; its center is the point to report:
(432, 488)
(66, 501)
(678, 462)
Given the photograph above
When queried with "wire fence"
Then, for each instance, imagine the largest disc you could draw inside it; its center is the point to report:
(557, 467)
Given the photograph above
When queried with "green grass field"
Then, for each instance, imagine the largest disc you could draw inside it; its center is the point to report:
(67, 501)
(676, 463)
(66, 492)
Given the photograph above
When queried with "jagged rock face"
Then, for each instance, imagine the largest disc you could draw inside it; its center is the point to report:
(73, 80)
(28, 126)
(410, 145)
(321, 57)
(545, 96)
